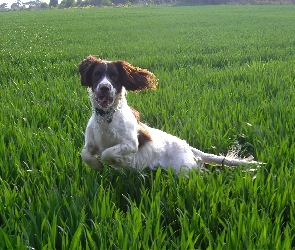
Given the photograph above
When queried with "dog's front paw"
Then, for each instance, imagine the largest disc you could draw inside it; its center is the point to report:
(108, 161)
(93, 161)
(116, 161)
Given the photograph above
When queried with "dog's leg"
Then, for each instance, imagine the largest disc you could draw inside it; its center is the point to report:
(121, 155)
(223, 160)
(90, 157)
(90, 152)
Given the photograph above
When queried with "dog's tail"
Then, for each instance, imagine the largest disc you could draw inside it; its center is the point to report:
(231, 159)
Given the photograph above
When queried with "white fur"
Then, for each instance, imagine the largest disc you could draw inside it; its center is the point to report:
(113, 131)
(116, 144)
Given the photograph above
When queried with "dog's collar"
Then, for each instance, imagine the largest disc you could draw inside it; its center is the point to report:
(105, 114)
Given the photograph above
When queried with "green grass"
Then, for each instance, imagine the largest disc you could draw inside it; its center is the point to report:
(226, 76)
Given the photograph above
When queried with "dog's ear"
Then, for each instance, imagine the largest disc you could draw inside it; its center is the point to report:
(85, 70)
(134, 78)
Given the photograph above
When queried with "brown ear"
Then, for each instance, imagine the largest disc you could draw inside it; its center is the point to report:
(85, 69)
(134, 78)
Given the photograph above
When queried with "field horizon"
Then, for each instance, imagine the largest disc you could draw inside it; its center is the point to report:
(226, 79)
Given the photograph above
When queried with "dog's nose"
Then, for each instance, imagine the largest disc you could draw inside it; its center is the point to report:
(104, 87)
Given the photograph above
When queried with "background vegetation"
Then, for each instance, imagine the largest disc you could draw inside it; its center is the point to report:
(41, 4)
(226, 79)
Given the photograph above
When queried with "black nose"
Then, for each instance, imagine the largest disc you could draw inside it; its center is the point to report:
(104, 87)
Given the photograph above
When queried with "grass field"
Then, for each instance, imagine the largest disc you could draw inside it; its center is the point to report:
(226, 77)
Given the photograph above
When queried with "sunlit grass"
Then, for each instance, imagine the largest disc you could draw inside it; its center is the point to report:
(226, 76)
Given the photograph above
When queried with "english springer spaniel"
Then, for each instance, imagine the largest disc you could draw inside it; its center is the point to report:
(115, 135)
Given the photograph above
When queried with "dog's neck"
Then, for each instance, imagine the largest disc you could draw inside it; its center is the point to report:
(106, 115)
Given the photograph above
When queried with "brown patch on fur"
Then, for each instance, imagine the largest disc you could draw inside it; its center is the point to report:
(135, 78)
(136, 114)
(85, 69)
(143, 134)
(143, 137)
(131, 77)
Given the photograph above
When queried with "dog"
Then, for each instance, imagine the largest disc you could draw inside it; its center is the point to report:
(115, 136)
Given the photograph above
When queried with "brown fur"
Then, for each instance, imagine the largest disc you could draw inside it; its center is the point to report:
(135, 78)
(131, 77)
(85, 69)
(143, 135)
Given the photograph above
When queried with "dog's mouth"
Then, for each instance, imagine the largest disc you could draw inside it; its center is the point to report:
(104, 101)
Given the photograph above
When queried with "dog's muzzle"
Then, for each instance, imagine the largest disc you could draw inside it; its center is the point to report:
(104, 94)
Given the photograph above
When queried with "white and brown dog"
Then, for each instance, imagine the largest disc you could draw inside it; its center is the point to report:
(114, 134)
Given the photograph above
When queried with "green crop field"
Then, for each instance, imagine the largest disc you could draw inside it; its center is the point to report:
(226, 79)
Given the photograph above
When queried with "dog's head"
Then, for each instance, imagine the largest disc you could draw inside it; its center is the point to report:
(107, 78)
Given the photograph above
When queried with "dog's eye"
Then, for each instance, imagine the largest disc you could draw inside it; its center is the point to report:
(114, 76)
(97, 74)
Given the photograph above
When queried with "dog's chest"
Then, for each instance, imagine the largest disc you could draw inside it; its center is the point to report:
(108, 134)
